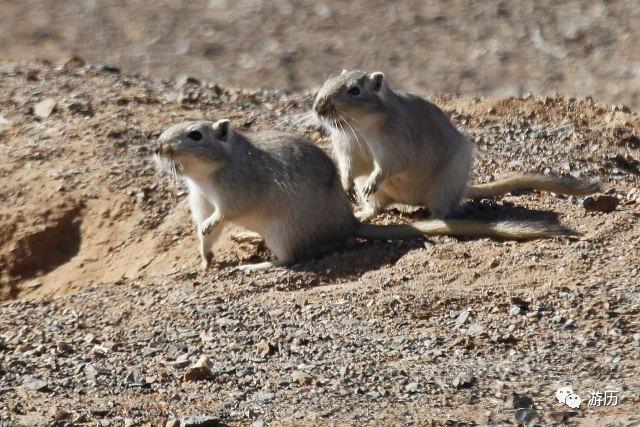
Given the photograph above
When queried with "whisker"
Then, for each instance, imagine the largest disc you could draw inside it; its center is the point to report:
(364, 147)
(353, 132)
(345, 132)
(350, 116)
(366, 141)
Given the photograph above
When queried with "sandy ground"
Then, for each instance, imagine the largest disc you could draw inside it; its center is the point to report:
(112, 310)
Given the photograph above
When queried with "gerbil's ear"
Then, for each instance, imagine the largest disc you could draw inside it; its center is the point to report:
(221, 129)
(344, 71)
(376, 80)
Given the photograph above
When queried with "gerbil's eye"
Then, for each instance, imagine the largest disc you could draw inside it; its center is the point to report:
(354, 91)
(195, 135)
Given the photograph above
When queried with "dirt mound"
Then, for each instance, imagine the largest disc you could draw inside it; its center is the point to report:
(81, 181)
(448, 328)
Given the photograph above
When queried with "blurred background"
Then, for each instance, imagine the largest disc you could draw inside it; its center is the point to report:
(469, 47)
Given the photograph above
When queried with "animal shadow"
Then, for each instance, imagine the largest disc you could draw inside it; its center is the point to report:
(491, 211)
(355, 258)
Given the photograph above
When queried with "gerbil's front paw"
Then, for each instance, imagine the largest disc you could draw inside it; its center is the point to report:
(207, 227)
(351, 193)
(370, 187)
(365, 214)
(206, 261)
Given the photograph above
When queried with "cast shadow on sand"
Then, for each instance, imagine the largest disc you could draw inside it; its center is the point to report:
(355, 258)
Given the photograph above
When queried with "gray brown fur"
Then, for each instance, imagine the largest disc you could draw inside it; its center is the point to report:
(400, 148)
(287, 190)
(278, 185)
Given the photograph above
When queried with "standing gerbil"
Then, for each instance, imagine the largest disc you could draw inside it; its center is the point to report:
(287, 190)
(400, 148)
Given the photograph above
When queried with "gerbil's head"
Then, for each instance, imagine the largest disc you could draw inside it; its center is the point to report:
(349, 95)
(189, 147)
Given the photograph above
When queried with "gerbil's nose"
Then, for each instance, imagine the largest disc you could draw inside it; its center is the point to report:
(163, 148)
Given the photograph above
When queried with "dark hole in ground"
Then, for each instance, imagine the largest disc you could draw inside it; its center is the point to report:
(52, 245)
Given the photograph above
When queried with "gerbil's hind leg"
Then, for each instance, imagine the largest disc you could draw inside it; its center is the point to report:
(260, 266)
(445, 191)
(443, 201)
(281, 240)
(247, 237)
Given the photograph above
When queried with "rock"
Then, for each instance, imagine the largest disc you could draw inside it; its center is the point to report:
(99, 351)
(517, 401)
(73, 63)
(411, 387)
(33, 383)
(91, 339)
(569, 324)
(78, 419)
(83, 108)
(56, 414)
(258, 423)
(130, 378)
(636, 339)
(200, 371)
(151, 351)
(600, 203)
(129, 422)
(515, 311)
(627, 163)
(181, 361)
(4, 123)
(526, 416)
(183, 81)
(462, 317)
(301, 378)
(475, 330)
(99, 411)
(112, 69)
(264, 396)
(43, 109)
(64, 347)
(265, 348)
(200, 421)
(464, 381)
(224, 321)
(93, 371)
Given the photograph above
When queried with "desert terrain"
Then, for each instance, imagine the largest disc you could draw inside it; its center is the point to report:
(471, 48)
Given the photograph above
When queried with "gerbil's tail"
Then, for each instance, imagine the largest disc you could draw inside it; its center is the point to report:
(508, 230)
(554, 184)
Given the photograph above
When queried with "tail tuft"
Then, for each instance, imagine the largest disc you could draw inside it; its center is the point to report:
(555, 184)
(507, 230)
